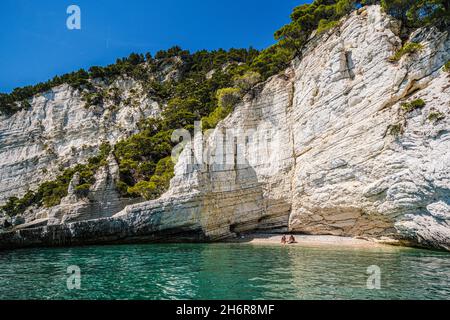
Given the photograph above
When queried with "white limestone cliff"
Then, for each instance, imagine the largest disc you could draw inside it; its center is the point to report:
(313, 150)
(321, 159)
(60, 131)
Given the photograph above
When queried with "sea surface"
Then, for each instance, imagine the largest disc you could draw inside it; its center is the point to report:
(223, 271)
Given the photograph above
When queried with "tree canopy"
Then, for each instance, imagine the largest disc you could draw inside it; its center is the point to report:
(321, 15)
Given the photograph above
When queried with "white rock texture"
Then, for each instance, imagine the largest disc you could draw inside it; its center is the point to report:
(312, 150)
(321, 159)
(103, 199)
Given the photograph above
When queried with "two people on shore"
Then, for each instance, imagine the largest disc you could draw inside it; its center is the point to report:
(290, 241)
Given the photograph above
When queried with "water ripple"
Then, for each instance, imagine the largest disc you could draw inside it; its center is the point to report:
(223, 271)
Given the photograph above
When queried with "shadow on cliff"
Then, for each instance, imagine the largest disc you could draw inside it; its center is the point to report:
(236, 201)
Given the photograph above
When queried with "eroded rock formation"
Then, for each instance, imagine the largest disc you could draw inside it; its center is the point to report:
(324, 148)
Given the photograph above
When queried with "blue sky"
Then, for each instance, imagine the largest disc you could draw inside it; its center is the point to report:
(36, 44)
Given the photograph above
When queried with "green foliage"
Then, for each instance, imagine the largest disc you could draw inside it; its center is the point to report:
(227, 99)
(272, 60)
(435, 116)
(180, 113)
(413, 105)
(214, 118)
(145, 169)
(144, 189)
(320, 15)
(93, 99)
(396, 129)
(398, 8)
(325, 25)
(190, 98)
(50, 193)
(418, 13)
(447, 67)
(18, 98)
(122, 187)
(81, 79)
(138, 155)
(83, 190)
(175, 51)
(246, 81)
(408, 48)
(157, 184)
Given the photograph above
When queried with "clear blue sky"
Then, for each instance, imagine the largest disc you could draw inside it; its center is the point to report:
(36, 44)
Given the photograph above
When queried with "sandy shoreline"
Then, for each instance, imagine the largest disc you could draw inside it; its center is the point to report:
(313, 241)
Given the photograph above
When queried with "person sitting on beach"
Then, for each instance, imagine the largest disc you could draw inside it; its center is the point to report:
(292, 239)
(283, 240)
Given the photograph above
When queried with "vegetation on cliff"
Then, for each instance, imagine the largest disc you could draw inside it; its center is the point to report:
(408, 48)
(143, 158)
(418, 13)
(413, 105)
(435, 116)
(320, 15)
(50, 193)
(447, 67)
(207, 88)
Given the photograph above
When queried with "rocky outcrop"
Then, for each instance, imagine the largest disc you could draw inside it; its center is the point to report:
(324, 148)
(101, 201)
(60, 130)
(354, 175)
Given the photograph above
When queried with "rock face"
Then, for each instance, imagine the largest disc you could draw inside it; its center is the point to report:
(325, 148)
(59, 131)
(102, 200)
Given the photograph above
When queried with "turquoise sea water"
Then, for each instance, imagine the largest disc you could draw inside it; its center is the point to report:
(223, 271)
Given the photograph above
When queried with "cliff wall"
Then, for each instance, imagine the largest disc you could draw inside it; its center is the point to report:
(327, 147)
